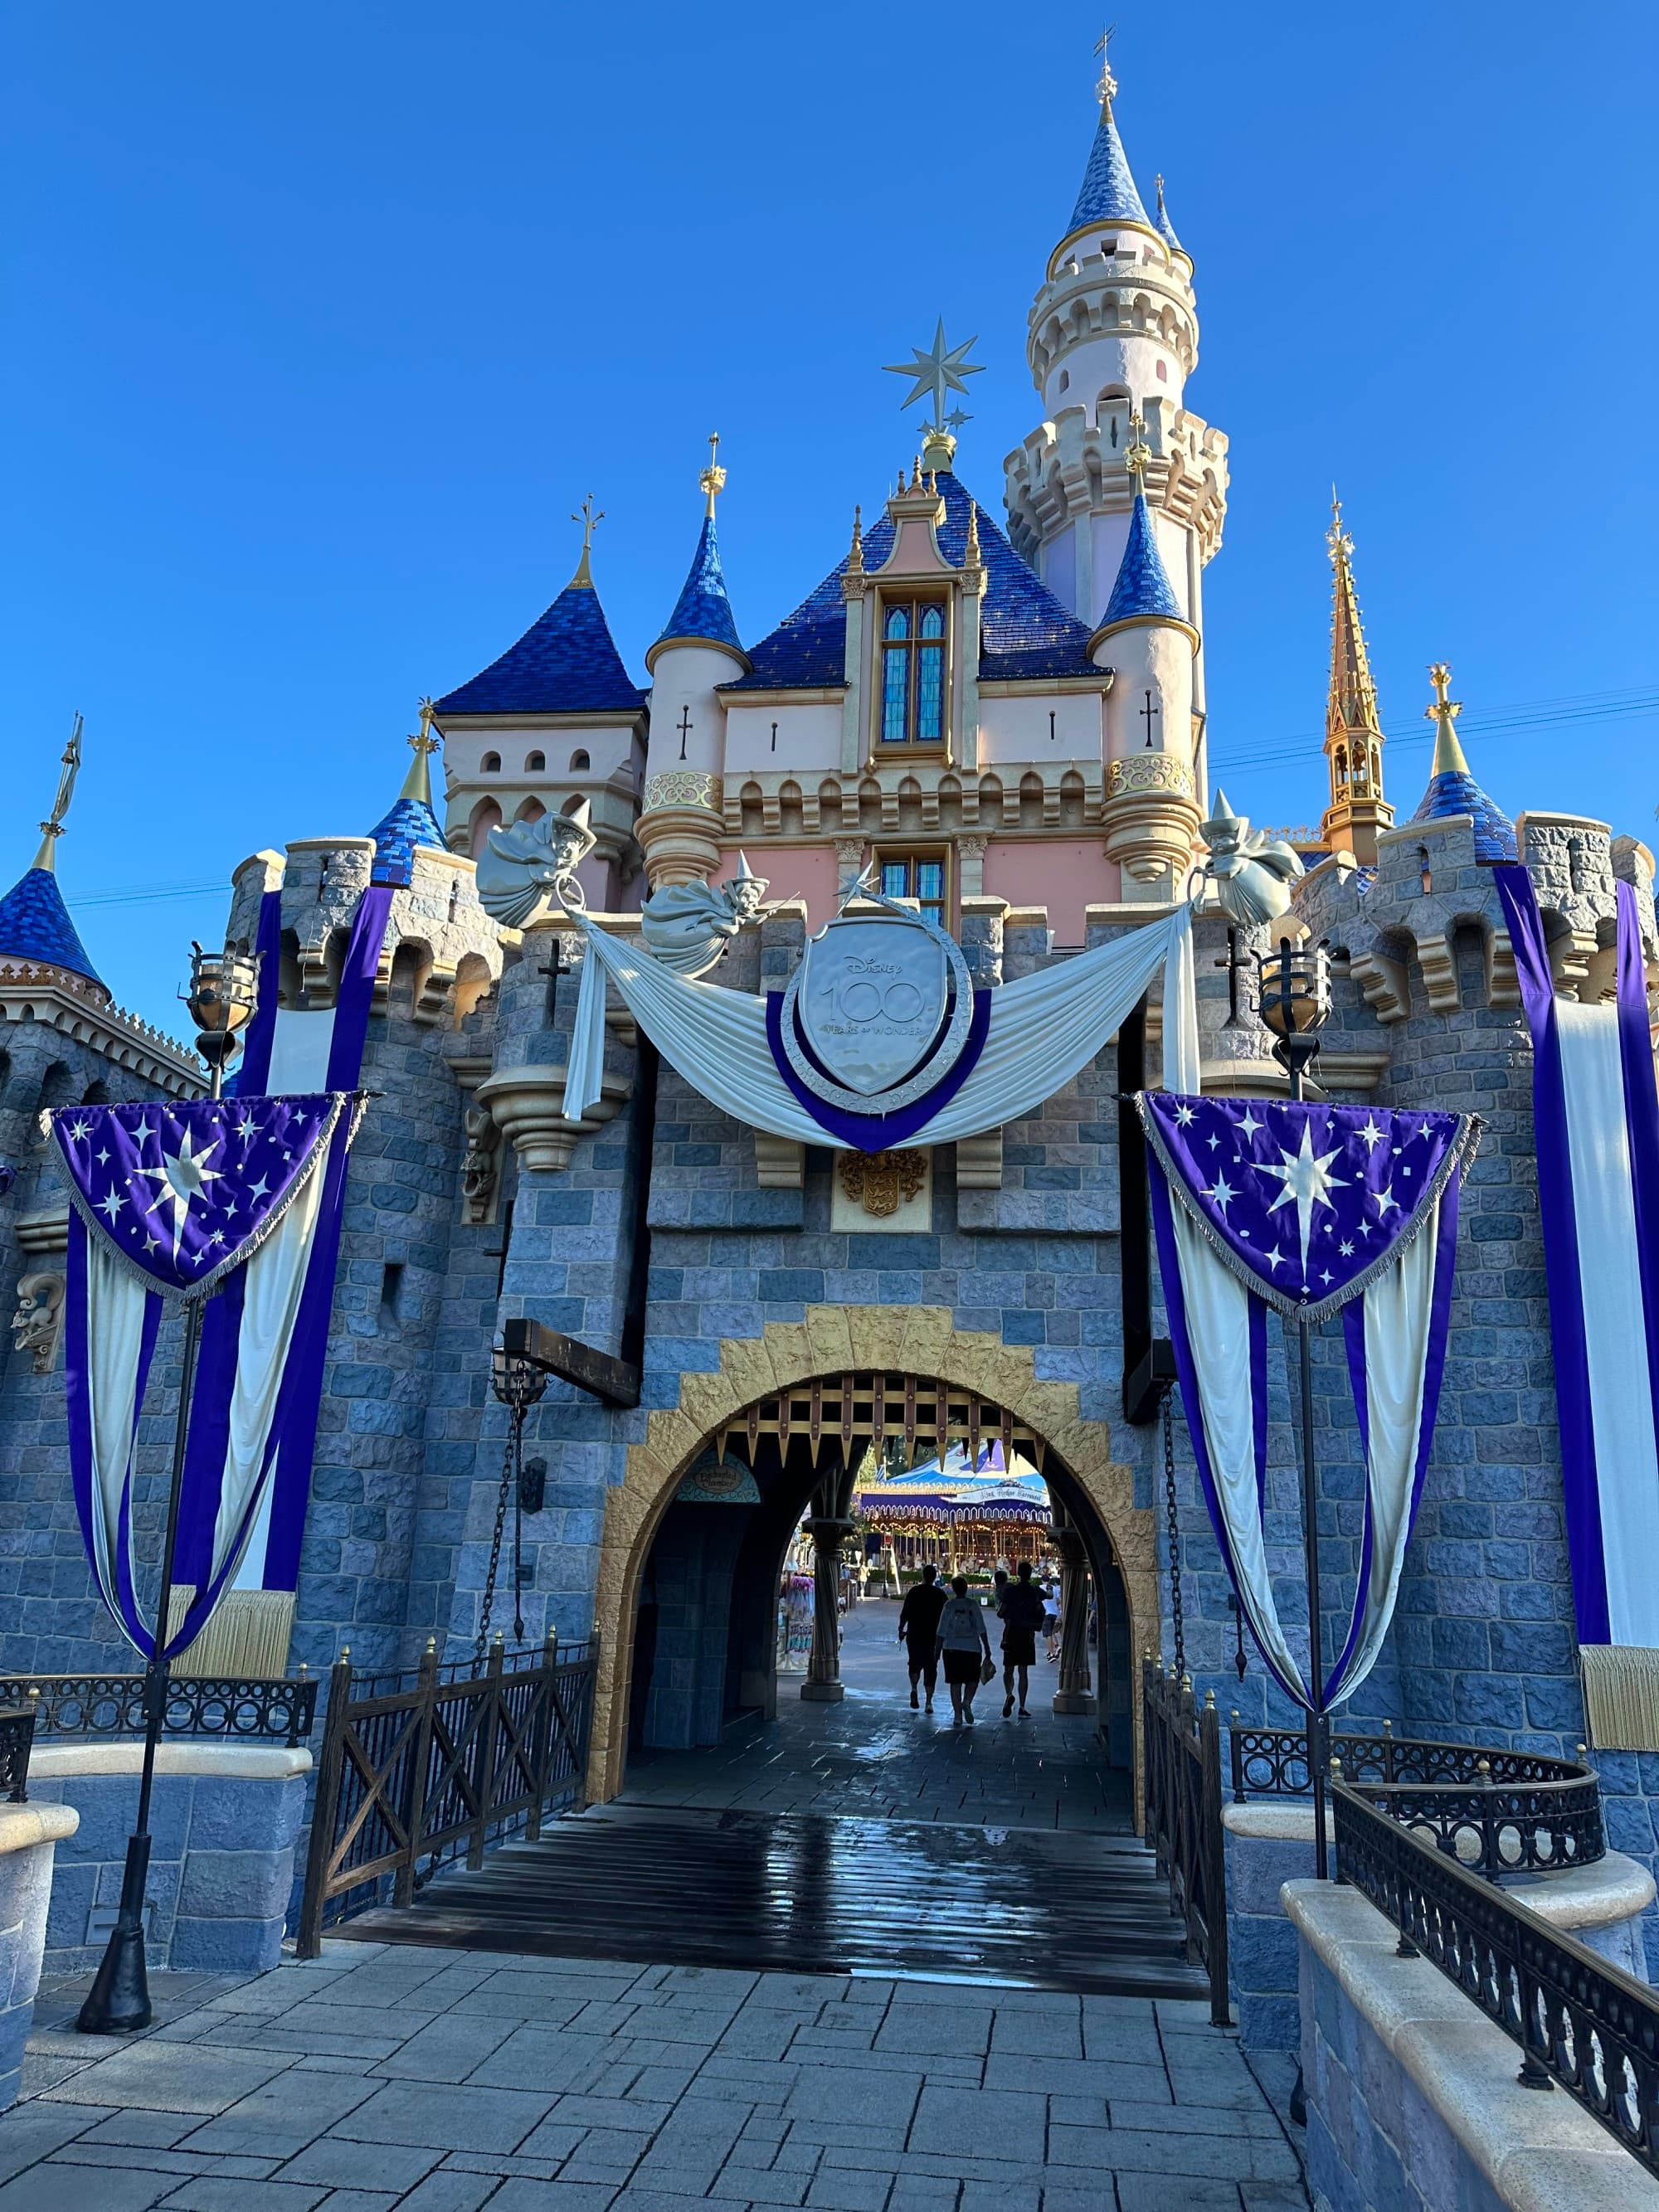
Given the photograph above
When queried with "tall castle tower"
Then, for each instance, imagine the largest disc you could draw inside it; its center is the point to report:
(1353, 734)
(1113, 332)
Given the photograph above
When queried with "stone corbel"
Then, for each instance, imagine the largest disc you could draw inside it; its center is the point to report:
(779, 1162)
(45, 1230)
(979, 1161)
(1571, 955)
(527, 1106)
(1438, 961)
(1388, 992)
(1503, 985)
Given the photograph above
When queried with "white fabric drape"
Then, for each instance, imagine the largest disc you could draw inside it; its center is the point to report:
(1398, 1309)
(116, 1302)
(270, 1304)
(1615, 1317)
(1043, 1029)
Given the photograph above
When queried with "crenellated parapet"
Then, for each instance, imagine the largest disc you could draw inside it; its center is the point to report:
(1072, 464)
(442, 953)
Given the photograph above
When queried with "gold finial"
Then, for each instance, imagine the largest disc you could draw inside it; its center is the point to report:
(971, 558)
(1338, 543)
(1106, 90)
(1137, 454)
(855, 558)
(1448, 753)
(417, 784)
(53, 829)
(712, 480)
(590, 521)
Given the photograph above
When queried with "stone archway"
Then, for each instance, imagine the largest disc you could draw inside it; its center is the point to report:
(832, 1340)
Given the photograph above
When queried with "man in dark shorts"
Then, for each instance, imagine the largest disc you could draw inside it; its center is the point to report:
(918, 1626)
(1022, 1611)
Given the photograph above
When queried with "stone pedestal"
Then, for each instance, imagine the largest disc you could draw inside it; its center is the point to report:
(822, 1685)
(527, 1106)
(1074, 1693)
(680, 829)
(29, 1835)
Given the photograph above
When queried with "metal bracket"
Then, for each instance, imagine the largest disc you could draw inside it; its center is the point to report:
(616, 1380)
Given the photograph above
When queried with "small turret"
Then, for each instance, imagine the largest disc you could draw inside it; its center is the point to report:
(412, 821)
(35, 929)
(1452, 786)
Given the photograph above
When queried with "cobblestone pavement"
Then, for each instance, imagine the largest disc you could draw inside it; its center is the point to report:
(444, 2081)
(870, 1756)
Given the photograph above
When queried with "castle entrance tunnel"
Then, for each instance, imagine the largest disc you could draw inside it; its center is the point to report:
(737, 1700)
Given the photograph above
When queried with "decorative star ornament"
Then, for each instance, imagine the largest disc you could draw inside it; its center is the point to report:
(1307, 1182)
(939, 371)
(182, 1176)
(1372, 1136)
(1247, 1124)
(1221, 1193)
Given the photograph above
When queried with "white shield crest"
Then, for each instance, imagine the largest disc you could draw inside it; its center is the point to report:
(872, 995)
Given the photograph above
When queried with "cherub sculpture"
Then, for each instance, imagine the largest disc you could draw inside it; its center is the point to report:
(35, 1324)
(526, 869)
(687, 927)
(1252, 872)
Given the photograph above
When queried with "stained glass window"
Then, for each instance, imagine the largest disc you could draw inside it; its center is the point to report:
(914, 876)
(912, 675)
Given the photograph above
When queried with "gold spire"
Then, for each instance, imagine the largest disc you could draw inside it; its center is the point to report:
(53, 829)
(971, 558)
(855, 558)
(712, 480)
(1448, 753)
(1353, 732)
(583, 579)
(1137, 454)
(417, 784)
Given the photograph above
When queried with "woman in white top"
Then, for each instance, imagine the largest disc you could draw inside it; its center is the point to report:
(964, 1644)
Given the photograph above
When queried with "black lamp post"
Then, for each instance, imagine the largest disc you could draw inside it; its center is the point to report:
(221, 1000)
(1294, 1000)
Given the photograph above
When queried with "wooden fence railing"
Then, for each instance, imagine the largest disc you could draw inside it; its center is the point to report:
(417, 1768)
(1183, 1818)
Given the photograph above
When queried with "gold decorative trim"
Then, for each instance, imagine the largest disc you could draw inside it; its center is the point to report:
(684, 786)
(1149, 772)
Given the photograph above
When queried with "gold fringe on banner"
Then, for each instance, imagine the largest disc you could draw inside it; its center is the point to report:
(247, 1633)
(1621, 1696)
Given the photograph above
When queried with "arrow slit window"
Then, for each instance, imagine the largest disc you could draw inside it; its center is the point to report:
(912, 673)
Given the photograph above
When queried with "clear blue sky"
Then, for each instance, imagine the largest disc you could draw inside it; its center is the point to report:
(322, 318)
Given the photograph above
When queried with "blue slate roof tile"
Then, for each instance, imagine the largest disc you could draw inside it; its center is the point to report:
(35, 924)
(1455, 791)
(1109, 193)
(702, 609)
(565, 663)
(410, 823)
(1143, 586)
(1163, 225)
(1024, 631)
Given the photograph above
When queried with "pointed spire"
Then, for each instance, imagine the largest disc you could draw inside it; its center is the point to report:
(1109, 193)
(702, 613)
(53, 829)
(1162, 223)
(590, 521)
(712, 480)
(1143, 587)
(1452, 786)
(35, 922)
(412, 821)
(1353, 732)
(855, 558)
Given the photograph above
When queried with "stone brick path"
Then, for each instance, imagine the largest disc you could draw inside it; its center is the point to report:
(444, 2081)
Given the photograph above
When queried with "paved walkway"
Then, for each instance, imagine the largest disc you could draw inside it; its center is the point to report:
(870, 1757)
(444, 2082)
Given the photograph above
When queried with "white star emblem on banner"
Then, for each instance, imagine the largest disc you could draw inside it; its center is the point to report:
(1307, 1182)
(182, 1176)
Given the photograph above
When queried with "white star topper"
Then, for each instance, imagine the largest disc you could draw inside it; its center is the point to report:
(1307, 1179)
(183, 1175)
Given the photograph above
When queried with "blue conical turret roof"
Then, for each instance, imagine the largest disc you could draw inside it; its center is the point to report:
(1163, 227)
(35, 925)
(1143, 586)
(410, 823)
(565, 663)
(702, 609)
(1109, 192)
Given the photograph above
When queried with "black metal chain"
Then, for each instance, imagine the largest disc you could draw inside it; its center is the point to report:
(518, 1384)
(488, 1605)
(1177, 1618)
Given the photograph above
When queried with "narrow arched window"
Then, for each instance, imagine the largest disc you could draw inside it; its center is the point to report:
(914, 637)
(490, 764)
(534, 763)
(579, 761)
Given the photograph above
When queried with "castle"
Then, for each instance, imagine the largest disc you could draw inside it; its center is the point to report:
(1007, 719)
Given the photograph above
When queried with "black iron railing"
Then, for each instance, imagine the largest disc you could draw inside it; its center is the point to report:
(417, 1768)
(16, 1740)
(1580, 2022)
(1183, 1817)
(1501, 1812)
(198, 1704)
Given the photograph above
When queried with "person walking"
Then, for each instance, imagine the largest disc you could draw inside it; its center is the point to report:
(1051, 1617)
(918, 1631)
(964, 1644)
(1023, 1611)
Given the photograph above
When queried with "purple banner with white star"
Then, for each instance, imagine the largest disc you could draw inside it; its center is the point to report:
(1305, 1202)
(1306, 1209)
(184, 1191)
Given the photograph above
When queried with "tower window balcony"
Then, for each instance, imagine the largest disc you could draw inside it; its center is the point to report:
(912, 673)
